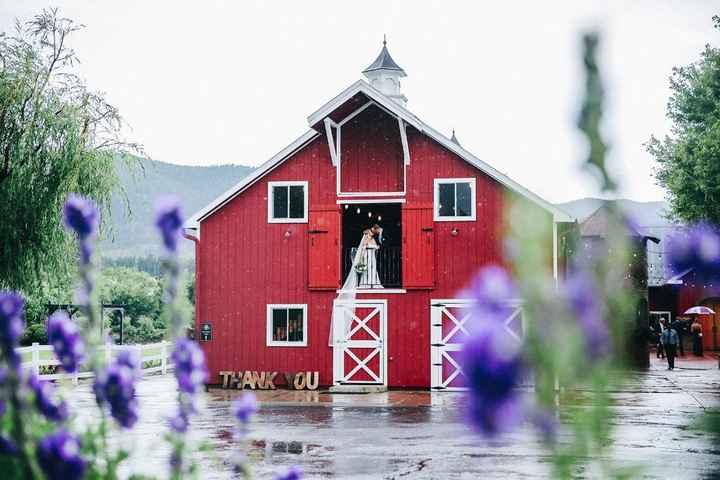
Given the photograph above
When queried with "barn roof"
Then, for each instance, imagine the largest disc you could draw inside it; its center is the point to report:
(384, 62)
(365, 90)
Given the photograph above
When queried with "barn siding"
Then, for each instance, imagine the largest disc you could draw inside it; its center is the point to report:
(244, 263)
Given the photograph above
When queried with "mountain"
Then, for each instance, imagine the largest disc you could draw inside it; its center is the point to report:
(133, 233)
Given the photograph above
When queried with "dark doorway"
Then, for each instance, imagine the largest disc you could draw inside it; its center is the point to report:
(360, 216)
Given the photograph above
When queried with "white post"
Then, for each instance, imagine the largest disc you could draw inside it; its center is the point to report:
(36, 358)
(163, 357)
(139, 350)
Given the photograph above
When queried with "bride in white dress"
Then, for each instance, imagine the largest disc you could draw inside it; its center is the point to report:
(363, 274)
(367, 263)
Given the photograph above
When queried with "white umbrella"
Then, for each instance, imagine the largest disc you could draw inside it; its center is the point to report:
(700, 310)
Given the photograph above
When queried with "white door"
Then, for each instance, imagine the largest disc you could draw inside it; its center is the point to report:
(359, 330)
(448, 331)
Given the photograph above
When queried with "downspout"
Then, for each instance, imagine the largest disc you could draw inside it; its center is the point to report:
(195, 239)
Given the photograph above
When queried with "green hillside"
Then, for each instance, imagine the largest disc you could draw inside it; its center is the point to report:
(133, 233)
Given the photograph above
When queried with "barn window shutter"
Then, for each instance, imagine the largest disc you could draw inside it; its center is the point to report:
(324, 251)
(418, 253)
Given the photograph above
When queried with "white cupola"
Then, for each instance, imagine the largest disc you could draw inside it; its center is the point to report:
(384, 74)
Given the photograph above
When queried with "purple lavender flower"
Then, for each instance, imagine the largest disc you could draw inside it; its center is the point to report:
(7, 447)
(190, 369)
(64, 336)
(698, 249)
(491, 289)
(180, 422)
(490, 358)
(115, 386)
(169, 221)
(11, 324)
(546, 423)
(3, 379)
(81, 215)
(47, 401)
(293, 473)
(244, 407)
(492, 374)
(585, 302)
(59, 456)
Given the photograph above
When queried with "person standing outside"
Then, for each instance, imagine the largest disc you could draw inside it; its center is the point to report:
(669, 339)
(679, 326)
(696, 332)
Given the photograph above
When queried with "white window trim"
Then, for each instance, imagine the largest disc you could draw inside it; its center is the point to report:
(268, 325)
(272, 219)
(436, 202)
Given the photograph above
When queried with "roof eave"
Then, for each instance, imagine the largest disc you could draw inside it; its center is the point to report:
(275, 160)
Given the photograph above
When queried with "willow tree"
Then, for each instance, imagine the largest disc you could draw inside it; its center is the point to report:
(56, 137)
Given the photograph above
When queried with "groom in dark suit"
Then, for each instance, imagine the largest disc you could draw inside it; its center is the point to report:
(377, 233)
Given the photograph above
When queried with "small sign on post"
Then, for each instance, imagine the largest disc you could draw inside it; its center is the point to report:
(205, 332)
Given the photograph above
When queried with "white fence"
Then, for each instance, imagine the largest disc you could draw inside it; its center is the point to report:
(44, 356)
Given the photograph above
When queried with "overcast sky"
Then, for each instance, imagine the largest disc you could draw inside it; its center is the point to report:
(210, 82)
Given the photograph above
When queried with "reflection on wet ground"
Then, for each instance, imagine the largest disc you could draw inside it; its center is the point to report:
(422, 435)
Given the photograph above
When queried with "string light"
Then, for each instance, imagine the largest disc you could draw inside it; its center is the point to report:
(358, 210)
(346, 206)
(369, 214)
(379, 218)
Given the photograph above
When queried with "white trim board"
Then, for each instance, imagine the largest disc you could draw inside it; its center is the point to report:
(350, 201)
(436, 199)
(269, 342)
(270, 200)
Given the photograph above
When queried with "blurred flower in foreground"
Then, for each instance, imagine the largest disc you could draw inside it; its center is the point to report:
(191, 375)
(586, 304)
(116, 387)
(46, 399)
(169, 221)
(244, 407)
(293, 473)
(64, 336)
(697, 250)
(11, 324)
(490, 358)
(81, 216)
(59, 456)
(190, 369)
(7, 447)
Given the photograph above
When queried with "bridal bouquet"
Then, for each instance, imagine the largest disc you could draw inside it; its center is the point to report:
(361, 268)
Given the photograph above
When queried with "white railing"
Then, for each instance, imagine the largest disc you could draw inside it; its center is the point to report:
(44, 356)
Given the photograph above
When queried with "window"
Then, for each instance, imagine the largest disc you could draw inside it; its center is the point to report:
(287, 202)
(287, 325)
(454, 199)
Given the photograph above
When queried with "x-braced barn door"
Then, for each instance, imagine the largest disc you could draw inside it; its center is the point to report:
(449, 320)
(359, 354)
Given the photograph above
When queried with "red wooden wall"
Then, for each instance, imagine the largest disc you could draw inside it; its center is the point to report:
(244, 263)
(372, 154)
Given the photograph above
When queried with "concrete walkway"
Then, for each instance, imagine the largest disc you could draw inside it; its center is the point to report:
(422, 435)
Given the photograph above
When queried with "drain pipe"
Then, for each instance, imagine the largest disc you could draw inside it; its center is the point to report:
(190, 234)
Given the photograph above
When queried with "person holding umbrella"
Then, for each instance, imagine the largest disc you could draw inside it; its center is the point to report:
(696, 332)
(695, 311)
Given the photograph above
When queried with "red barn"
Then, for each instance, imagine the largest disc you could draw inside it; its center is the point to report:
(273, 251)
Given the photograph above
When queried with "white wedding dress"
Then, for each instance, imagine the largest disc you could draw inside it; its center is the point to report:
(342, 319)
(370, 277)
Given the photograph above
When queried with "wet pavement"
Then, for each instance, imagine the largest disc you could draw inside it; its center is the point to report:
(418, 435)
